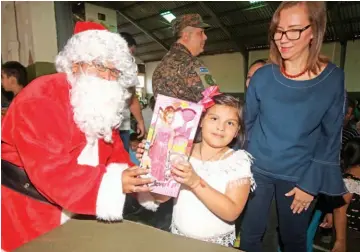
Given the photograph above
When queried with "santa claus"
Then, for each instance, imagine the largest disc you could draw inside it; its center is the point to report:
(59, 137)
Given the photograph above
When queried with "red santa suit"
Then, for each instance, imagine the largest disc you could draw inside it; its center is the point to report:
(39, 135)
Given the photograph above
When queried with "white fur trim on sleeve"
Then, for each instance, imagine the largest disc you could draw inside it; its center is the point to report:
(147, 200)
(111, 199)
(240, 168)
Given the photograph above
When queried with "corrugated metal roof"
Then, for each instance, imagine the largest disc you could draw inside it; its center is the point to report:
(247, 23)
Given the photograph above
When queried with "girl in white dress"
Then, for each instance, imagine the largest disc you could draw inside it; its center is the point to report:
(216, 181)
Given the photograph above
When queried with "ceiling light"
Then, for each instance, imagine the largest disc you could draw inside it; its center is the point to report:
(168, 16)
(254, 2)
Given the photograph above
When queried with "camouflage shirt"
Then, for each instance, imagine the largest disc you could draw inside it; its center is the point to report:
(181, 75)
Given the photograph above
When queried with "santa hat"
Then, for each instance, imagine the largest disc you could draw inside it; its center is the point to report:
(93, 42)
(86, 26)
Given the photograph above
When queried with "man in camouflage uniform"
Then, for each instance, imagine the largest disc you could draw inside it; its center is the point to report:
(181, 74)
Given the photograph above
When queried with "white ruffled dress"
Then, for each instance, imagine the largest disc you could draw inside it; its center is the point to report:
(192, 218)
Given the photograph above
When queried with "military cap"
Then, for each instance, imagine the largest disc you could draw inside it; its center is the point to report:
(193, 20)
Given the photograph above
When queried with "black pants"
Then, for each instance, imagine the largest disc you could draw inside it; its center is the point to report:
(160, 219)
(292, 227)
(271, 238)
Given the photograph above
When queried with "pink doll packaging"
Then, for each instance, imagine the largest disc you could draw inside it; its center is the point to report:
(170, 138)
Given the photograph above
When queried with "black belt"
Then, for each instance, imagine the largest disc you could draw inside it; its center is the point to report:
(16, 179)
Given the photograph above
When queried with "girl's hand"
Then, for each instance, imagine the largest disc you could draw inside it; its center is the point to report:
(184, 173)
(328, 221)
(302, 200)
(339, 246)
(140, 149)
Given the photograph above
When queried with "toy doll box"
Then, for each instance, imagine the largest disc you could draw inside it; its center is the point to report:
(170, 138)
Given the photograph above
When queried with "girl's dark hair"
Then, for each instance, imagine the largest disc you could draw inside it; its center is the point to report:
(351, 153)
(231, 101)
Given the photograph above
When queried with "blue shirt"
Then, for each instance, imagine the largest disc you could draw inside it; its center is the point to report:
(294, 128)
(133, 157)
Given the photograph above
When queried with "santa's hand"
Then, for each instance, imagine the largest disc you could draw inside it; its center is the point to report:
(184, 173)
(132, 182)
(140, 150)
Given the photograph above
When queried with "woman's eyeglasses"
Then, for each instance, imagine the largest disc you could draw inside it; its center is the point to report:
(293, 34)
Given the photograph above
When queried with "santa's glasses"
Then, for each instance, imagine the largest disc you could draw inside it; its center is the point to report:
(115, 73)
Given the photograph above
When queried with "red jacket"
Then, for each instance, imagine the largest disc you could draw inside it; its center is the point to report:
(40, 135)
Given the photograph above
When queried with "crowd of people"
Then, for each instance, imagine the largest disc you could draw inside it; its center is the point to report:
(259, 169)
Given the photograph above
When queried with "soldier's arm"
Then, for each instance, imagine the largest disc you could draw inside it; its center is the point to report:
(169, 82)
(164, 86)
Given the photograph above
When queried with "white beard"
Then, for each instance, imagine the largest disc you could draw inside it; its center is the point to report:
(98, 105)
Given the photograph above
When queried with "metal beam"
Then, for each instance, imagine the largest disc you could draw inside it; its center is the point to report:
(167, 26)
(110, 5)
(132, 5)
(205, 18)
(252, 7)
(149, 34)
(239, 46)
(180, 8)
(342, 31)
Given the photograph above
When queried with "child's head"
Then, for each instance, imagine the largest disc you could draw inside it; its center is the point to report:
(152, 103)
(13, 76)
(222, 124)
(134, 141)
(168, 114)
(351, 153)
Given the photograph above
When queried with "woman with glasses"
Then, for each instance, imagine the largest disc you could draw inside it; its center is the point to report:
(294, 116)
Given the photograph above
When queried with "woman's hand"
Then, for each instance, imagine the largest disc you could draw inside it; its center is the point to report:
(302, 200)
(339, 246)
(328, 221)
(184, 173)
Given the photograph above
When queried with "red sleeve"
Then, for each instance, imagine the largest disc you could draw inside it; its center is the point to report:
(119, 154)
(43, 141)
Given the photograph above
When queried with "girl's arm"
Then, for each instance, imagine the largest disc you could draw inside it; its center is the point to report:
(340, 219)
(226, 206)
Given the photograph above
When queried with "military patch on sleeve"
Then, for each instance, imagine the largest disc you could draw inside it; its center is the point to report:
(204, 70)
(205, 76)
(209, 79)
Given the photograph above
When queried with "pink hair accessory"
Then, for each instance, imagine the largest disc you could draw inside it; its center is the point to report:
(208, 94)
